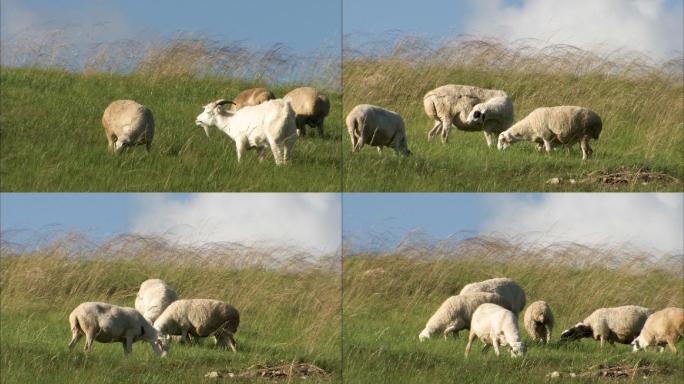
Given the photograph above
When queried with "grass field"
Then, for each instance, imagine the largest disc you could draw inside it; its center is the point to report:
(290, 311)
(639, 149)
(52, 137)
(389, 298)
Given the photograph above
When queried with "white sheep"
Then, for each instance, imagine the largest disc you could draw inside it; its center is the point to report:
(127, 123)
(455, 313)
(493, 115)
(310, 106)
(616, 324)
(269, 124)
(538, 321)
(108, 323)
(452, 103)
(550, 126)
(505, 287)
(153, 297)
(376, 126)
(200, 318)
(495, 325)
(252, 96)
(662, 327)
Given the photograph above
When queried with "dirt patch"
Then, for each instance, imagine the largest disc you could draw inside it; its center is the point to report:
(621, 371)
(625, 176)
(281, 371)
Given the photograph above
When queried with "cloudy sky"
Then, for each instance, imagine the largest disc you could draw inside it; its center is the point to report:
(307, 221)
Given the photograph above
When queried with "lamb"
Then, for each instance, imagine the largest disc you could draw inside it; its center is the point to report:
(494, 115)
(200, 318)
(127, 123)
(550, 126)
(153, 297)
(269, 124)
(663, 327)
(538, 321)
(617, 324)
(495, 325)
(109, 323)
(252, 96)
(505, 287)
(455, 313)
(451, 104)
(310, 106)
(376, 126)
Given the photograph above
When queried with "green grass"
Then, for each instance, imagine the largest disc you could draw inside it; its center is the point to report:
(52, 138)
(389, 298)
(288, 313)
(634, 140)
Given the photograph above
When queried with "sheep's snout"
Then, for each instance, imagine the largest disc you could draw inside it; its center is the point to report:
(503, 142)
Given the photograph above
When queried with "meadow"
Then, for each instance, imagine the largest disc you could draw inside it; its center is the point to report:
(638, 98)
(289, 308)
(388, 298)
(52, 137)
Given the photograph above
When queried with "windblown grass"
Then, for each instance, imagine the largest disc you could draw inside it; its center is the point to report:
(289, 306)
(639, 99)
(389, 297)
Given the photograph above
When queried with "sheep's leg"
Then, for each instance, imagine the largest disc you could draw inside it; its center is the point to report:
(75, 337)
(277, 151)
(446, 125)
(301, 126)
(548, 334)
(586, 149)
(671, 343)
(471, 337)
(435, 130)
(111, 140)
(260, 153)
(495, 343)
(321, 131)
(454, 327)
(240, 148)
(353, 138)
(90, 337)
(548, 146)
(185, 339)
(603, 341)
(379, 149)
(231, 342)
(128, 345)
(489, 136)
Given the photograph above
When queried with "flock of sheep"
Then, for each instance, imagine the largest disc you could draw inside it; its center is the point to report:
(157, 316)
(490, 309)
(256, 119)
(472, 108)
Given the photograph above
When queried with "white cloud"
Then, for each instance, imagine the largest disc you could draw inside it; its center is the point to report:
(651, 221)
(308, 221)
(649, 26)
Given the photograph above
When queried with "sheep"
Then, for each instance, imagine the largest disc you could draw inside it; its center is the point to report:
(495, 325)
(538, 321)
(108, 323)
(376, 126)
(153, 297)
(269, 124)
(252, 96)
(617, 324)
(550, 126)
(663, 327)
(451, 104)
(200, 318)
(494, 115)
(505, 287)
(127, 123)
(455, 313)
(310, 106)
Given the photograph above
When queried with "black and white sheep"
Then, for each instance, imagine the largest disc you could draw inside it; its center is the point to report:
(538, 321)
(200, 318)
(108, 323)
(551, 126)
(127, 123)
(662, 327)
(616, 324)
(153, 297)
(495, 325)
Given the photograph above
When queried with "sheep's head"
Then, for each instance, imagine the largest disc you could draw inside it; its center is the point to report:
(640, 343)
(579, 331)
(207, 118)
(424, 335)
(163, 342)
(505, 140)
(476, 115)
(518, 348)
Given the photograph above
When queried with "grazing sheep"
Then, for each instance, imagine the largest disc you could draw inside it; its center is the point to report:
(539, 321)
(451, 104)
(252, 96)
(311, 108)
(269, 124)
(455, 313)
(495, 325)
(153, 297)
(200, 318)
(505, 287)
(663, 327)
(493, 115)
(550, 126)
(376, 126)
(617, 324)
(109, 323)
(127, 123)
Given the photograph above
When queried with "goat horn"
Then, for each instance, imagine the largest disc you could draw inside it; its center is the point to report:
(224, 101)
